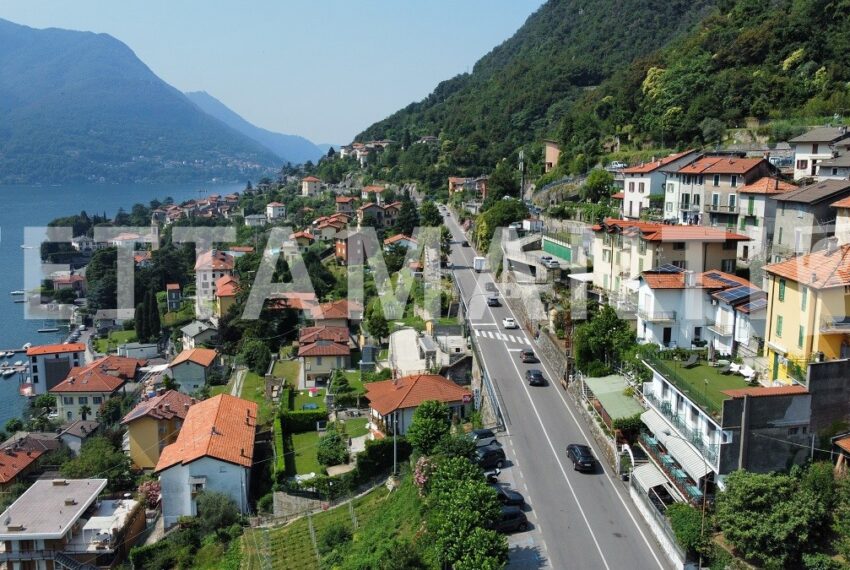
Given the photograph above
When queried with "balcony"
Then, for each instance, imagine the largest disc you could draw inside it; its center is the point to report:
(657, 316)
(686, 207)
(722, 329)
(835, 325)
(708, 450)
(684, 484)
(721, 208)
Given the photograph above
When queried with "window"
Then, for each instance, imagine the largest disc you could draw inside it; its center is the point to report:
(729, 245)
(606, 255)
(83, 400)
(67, 400)
(716, 181)
(97, 400)
(793, 431)
(640, 265)
(802, 164)
(670, 187)
(801, 335)
(715, 200)
(640, 187)
(815, 148)
(669, 207)
(727, 265)
(697, 333)
(604, 281)
(733, 200)
(631, 186)
(700, 180)
(696, 199)
(779, 326)
(781, 290)
(678, 246)
(680, 263)
(734, 181)
(318, 361)
(779, 238)
(835, 172)
(641, 247)
(805, 295)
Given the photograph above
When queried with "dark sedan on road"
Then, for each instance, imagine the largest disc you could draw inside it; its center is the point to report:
(493, 302)
(508, 496)
(527, 355)
(491, 287)
(464, 243)
(490, 456)
(582, 457)
(512, 519)
(534, 377)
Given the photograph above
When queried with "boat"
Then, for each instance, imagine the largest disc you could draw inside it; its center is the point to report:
(17, 292)
(20, 300)
(18, 363)
(24, 246)
(48, 329)
(27, 346)
(7, 373)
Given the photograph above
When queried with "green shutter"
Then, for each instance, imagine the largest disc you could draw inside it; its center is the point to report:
(779, 326)
(805, 298)
(781, 289)
(800, 334)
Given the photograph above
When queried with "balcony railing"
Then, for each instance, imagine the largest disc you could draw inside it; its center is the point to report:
(689, 207)
(694, 395)
(657, 316)
(708, 450)
(722, 208)
(835, 325)
(686, 486)
(722, 329)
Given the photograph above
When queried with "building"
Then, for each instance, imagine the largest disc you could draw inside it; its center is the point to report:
(342, 313)
(275, 211)
(153, 424)
(256, 220)
(85, 244)
(400, 239)
(648, 179)
(807, 312)
(80, 395)
(373, 193)
(199, 333)
(303, 240)
(837, 167)
(77, 433)
(341, 247)
(757, 216)
(624, 249)
(345, 204)
(192, 367)
(64, 523)
(140, 350)
(49, 364)
(173, 297)
(225, 295)
(393, 402)
(214, 451)
(551, 154)
(814, 146)
(805, 217)
(326, 230)
(370, 210)
(842, 221)
(15, 464)
(311, 186)
(321, 357)
(209, 267)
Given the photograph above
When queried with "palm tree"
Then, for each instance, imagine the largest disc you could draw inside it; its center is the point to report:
(85, 411)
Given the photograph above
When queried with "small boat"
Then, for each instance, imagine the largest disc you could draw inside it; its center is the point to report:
(18, 363)
(24, 246)
(7, 373)
(17, 292)
(20, 300)
(48, 329)
(27, 346)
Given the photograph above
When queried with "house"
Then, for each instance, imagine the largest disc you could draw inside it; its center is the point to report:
(757, 216)
(805, 217)
(64, 523)
(303, 240)
(326, 230)
(275, 211)
(173, 297)
(237, 251)
(648, 179)
(532, 225)
(85, 244)
(139, 350)
(49, 364)
(373, 211)
(198, 333)
(807, 311)
(814, 146)
(209, 267)
(213, 452)
(84, 390)
(342, 313)
(192, 367)
(842, 220)
(256, 220)
(153, 424)
(16, 462)
(225, 295)
(321, 357)
(345, 204)
(76, 283)
(77, 433)
(391, 214)
(400, 239)
(837, 167)
(309, 335)
(310, 186)
(458, 184)
(374, 192)
(393, 402)
(551, 154)
(143, 259)
(623, 249)
(341, 247)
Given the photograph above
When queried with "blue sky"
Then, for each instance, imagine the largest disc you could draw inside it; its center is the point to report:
(324, 69)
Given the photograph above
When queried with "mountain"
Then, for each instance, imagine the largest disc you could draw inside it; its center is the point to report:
(78, 106)
(521, 90)
(289, 148)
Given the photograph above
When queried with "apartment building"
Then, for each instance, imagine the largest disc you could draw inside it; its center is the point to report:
(153, 424)
(209, 267)
(757, 216)
(805, 217)
(50, 364)
(649, 180)
(815, 146)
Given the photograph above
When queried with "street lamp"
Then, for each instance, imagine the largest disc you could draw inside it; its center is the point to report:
(669, 433)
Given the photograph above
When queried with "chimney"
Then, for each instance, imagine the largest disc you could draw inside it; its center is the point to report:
(242, 452)
(186, 407)
(167, 407)
(814, 276)
(70, 502)
(690, 279)
(831, 245)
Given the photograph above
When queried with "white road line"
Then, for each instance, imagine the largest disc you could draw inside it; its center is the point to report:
(503, 336)
(477, 332)
(514, 350)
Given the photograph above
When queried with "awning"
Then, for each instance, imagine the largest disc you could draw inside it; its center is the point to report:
(656, 424)
(648, 476)
(691, 461)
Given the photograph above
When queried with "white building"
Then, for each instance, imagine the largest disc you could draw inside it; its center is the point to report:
(813, 147)
(649, 179)
(255, 220)
(49, 364)
(311, 186)
(758, 215)
(197, 333)
(210, 266)
(213, 452)
(275, 210)
(837, 167)
(191, 368)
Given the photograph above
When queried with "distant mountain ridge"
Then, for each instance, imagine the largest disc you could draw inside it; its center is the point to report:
(289, 148)
(81, 107)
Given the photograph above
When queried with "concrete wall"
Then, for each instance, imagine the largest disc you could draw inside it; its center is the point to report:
(222, 477)
(829, 384)
(189, 376)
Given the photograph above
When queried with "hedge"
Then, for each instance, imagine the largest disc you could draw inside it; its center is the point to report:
(302, 420)
(286, 399)
(277, 434)
(378, 456)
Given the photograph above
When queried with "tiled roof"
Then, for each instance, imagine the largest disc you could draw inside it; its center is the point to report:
(241, 248)
(818, 270)
(821, 134)
(344, 199)
(275, 205)
(843, 203)
(302, 234)
(203, 356)
(103, 375)
(337, 310)
(762, 391)
(324, 348)
(56, 349)
(376, 189)
(311, 179)
(843, 443)
(172, 287)
(652, 231)
(813, 193)
(410, 391)
(367, 206)
(706, 280)
(721, 165)
(618, 196)
(767, 185)
(81, 428)
(222, 427)
(312, 334)
(12, 463)
(655, 165)
(162, 407)
(226, 286)
(293, 300)
(214, 260)
(397, 238)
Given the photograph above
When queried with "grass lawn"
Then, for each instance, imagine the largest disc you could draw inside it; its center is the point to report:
(253, 388)
(354, 380)
(104, 345)
(288, 369)
(692, 381)
(303, 397)
(291, 548)
(184, 316)
(305, 452)
(356, 427)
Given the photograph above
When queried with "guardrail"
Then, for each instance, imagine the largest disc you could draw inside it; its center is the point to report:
(657, 316)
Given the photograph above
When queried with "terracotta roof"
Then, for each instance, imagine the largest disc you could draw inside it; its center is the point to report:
(706, 280)
(344, 199)
(203, 356)
(843, 203)
(767, 185)
(302, 234)
(721, 165)
(396, 205)
(56, 348)
(367, 206)
(818, 270)
(410, 391)
(12, 463)
(275, 204)
(222, 427)
(172, 287)
(226, 286)
(312, 334)
(311, 179)
(813, 193)
(655, 165)
(374, 188)
(101, 375)
(618, 196)
(843, 443)
(293, 300)
(652, 231)
(458, 179)
(163, 407)
(397, 238)
(214, 260)
(762, 391)
(338, 310)
(69, 279)
(324, 348)
(241, 248)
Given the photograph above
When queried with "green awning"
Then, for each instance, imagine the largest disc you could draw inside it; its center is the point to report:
(609, 391)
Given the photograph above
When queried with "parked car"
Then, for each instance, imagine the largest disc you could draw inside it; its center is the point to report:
(482, 437)
(512, 519)
(490, 456)
(491, 287)
(527, 355)
(508, 496)
(552, 264)
(492, 475)
(534, 377)
(582, 457)
(545, 258)
(493, 302)
(617, 164)
(509, 323)
(464, 243)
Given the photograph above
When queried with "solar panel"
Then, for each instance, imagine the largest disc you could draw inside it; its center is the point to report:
(736, 294)
(667, 268)
(724, 280)
(754, 305)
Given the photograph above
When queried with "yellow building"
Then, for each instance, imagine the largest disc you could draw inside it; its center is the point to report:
(807, 311)
(153, 424)
(225, 294)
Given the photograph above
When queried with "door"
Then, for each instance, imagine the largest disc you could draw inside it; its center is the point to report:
(775, 373)
(667, 336)
(746, 252)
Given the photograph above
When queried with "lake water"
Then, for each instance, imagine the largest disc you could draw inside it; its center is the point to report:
(22, 206)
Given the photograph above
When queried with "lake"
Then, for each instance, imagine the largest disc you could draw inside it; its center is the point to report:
(24, 206)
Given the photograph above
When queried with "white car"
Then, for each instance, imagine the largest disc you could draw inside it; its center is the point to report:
(509, 323)
(552, 264)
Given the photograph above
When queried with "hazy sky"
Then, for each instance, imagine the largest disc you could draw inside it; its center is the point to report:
(324, 69)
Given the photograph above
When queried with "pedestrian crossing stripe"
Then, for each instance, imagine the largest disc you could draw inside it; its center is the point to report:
(502, 336)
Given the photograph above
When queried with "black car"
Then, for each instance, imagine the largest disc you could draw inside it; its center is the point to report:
(508, 496)
(512, 519)
(482, 437)
(493, 302)
(535, 377)
(527, 355)
(491, 287)
(490, 456)
(582, 457)
(464, 243)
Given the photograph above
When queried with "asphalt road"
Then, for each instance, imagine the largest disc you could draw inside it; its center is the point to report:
(583, 520)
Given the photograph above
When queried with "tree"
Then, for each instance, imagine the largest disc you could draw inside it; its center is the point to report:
(140, 322)
(429, 215)
(99, 458)
(484, 550)
(456, 446)
(445, 243)
(713, 130)
(504, 181)
(457, 513)
(153, 323)
(216, 512)
(597, 186)
(85, 411)
(601, 342)
(686, 522)
(394, 257)
(376, 324)
(332, 449)
(499, 215)
(255, 355)
(14, 425)
(429, 426)
(408, 217)
(44, 402)
(170, 383)
(449, 472)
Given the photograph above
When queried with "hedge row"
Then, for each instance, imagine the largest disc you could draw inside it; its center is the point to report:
(299, 421)
(286, 399)
(277, 434)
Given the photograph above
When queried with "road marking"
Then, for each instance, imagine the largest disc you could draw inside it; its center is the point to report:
(477, 332)
(502, 336)
(514, 350)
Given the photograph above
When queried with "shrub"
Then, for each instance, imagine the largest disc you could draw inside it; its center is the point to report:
(377, 457)
(332, 449)
(686, 522)
(335, 535)
(302, 420)
(266, 503)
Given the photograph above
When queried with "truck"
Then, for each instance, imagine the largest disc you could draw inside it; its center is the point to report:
(479, 264)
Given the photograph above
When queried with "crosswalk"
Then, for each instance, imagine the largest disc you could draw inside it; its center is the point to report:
(501, 336)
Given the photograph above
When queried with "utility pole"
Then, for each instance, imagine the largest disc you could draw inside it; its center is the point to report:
(521, 174)
(395, 443)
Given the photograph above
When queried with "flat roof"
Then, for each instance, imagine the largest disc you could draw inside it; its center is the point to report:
(609, 391)
(48, 509)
